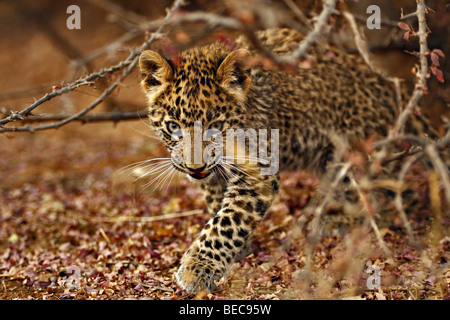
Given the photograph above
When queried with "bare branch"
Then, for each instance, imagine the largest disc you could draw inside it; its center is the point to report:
(89, 118)
(421, 83)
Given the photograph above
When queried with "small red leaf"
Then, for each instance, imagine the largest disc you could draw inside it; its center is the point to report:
(438, 73)
(404, 26)
(439, 52)
(435, 59)
(406, 35)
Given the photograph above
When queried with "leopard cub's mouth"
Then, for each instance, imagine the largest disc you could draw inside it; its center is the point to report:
(199, 175)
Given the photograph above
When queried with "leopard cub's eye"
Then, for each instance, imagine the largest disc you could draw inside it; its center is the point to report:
(172, 126)
(218, 125)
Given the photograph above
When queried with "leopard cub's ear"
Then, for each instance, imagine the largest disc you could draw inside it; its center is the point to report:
(155, 73)
(234, 73)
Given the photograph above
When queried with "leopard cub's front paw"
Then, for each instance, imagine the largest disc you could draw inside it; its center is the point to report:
(198, 273)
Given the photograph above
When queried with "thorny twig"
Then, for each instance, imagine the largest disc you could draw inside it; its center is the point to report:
(430, 149)
(425, 147)
(90, 118)
(421, 84)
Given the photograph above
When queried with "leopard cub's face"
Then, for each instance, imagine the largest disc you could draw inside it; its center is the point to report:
(194, 102)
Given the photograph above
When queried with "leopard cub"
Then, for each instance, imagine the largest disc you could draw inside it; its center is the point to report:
(213, 90)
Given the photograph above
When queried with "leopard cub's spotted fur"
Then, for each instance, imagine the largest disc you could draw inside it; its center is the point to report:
(337, 95)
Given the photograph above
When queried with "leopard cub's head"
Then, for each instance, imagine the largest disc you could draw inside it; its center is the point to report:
(194, 101)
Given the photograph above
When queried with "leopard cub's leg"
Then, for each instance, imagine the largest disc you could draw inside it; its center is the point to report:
(214, 191)
(222, 241)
